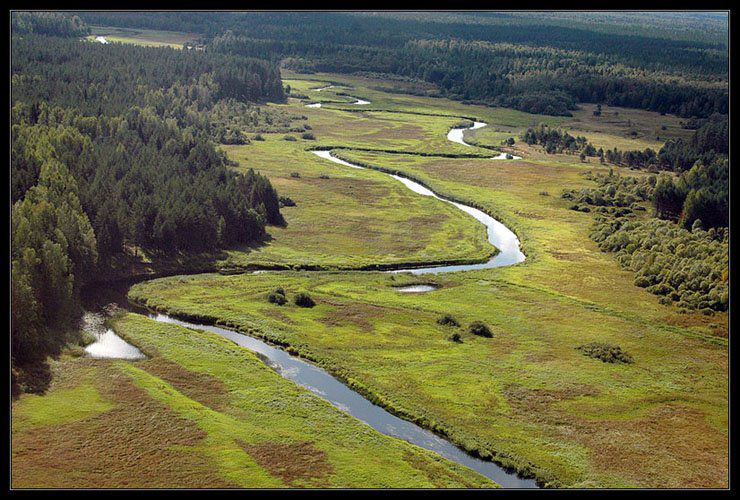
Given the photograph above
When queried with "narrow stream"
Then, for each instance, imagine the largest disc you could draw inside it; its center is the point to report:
(332, 390)
(499, 235)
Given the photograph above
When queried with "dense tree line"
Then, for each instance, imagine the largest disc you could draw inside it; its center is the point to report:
(108, 79)
(535, 67)
(48, 23)
(558, 141)
(689, 267)
(700, 194)
(112, 152)
(642, 50)
(686, 263)
(711, 140)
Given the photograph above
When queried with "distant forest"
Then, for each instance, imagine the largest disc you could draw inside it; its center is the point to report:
(541, 69)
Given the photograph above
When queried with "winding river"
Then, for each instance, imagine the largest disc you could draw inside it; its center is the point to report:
(321, 383)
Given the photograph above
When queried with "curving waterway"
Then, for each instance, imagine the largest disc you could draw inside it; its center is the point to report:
(338, 394)
(500, 236)
(324, 385)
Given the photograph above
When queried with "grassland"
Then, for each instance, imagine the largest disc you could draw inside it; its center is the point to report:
(527, 397)
(147, 38)
(351, 218)
(202, 411)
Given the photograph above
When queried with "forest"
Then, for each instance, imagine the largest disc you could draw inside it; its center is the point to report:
(113, 151)
(543, 69)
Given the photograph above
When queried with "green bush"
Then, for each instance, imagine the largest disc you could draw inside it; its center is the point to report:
(308, 136)
(286, 202)
(290, 138)
(481, 329)
(258, 137)
(607, 353)
(304, 300)
(448, 320)
(295, 175)
(455, 337)
(277, 296)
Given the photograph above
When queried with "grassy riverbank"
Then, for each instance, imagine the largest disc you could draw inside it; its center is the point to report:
(202, 412)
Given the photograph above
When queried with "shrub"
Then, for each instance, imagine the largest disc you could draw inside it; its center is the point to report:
(258, 137)
(481, 329)
(607, 353)
(295, 175)
(323, 176)
(448, 320)
(286, 202)
(277, 296)
(304, 300)
(308, 136)
(290, 138)
(455, 337)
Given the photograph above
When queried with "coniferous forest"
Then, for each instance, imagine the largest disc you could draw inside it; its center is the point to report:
(112, 149)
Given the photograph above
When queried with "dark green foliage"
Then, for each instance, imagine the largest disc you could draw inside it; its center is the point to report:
(277, 296)
(607, 353)
(258, 137)
(689, 267)
(308, 136)
(295, 175)
(447, 320)
(685, 266)
(304, 300)
(290, 138)
(48, 23)
(455, 337)
(481, 329)
(612, 191)
(111, 147)
(286, 202)
(709, 142)
(53, 250)
(96, 78)
(532, 66)
(188, 202)
(557, 141)
(702, 194)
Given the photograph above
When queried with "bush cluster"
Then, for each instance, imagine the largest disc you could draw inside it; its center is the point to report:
(303, 300)
(481, 329)
(277, 296)
(607, 353)
(447, 320)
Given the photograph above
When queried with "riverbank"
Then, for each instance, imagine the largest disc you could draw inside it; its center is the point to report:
(203, 398)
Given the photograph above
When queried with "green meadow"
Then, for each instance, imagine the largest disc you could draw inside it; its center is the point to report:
(144, 37)
(527, 397)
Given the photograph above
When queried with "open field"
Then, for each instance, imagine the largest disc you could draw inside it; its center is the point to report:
(527, 396)
(195, 414)
(148, 38)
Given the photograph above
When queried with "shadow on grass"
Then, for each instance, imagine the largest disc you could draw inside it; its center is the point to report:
(32, 377)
